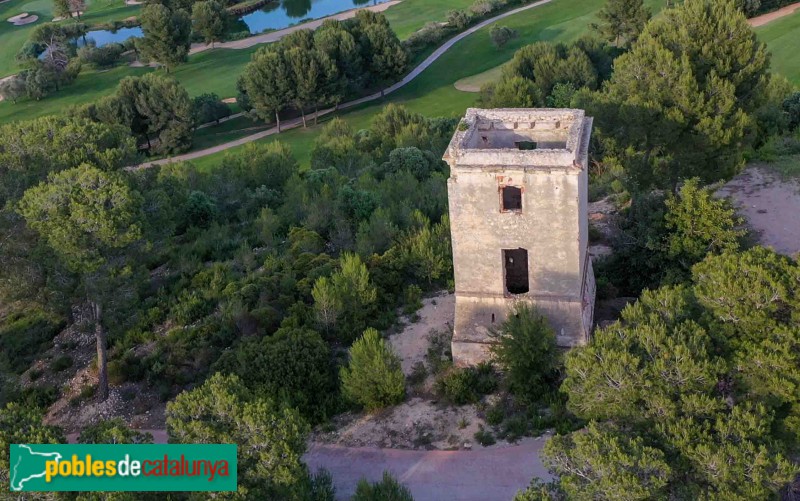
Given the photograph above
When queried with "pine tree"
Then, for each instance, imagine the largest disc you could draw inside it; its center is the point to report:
(622, 21)
(267, 79)
(166, 35)
(88, 217)
(677, 105)
(373, 378)
(208, 19)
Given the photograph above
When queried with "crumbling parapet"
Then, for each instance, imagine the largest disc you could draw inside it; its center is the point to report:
(518, 199)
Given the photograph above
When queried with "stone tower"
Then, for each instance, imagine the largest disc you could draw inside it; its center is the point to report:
(518, 194)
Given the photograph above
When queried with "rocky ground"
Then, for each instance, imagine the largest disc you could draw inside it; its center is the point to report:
(76, 407)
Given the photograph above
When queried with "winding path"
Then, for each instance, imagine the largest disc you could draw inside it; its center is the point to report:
(291, 124)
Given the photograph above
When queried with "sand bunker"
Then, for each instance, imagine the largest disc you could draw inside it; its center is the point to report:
(23, 19)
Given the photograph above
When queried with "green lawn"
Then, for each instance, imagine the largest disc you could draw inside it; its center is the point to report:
(782, 36)
(229, 130)
(13, 37)
(210, 71)
(411, 15)
(432, 93)
(216, 70)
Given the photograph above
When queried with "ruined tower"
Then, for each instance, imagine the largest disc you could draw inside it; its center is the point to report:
(518, 194)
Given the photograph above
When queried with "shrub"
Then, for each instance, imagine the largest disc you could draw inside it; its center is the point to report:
(101, 57)
(430, 34)
(322, 488)
(293, 366)
(514, 428)
(483, 7)
(467, 385)
(438, 355)
(35, 396)
(792, 108)
(495, 414)
(87, 392)
(200, 210)
(458, 19)
(113, 431)
(209, 108)
(484, 437)
(501, 35)
(413, 299)
(527, 351)
(61, 363)
(388, 489)
(418, 374)
(24, 335)
(191, 307)
(373, 378)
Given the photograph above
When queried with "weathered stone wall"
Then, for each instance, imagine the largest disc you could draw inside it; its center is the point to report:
(548, 227)
(552, 225)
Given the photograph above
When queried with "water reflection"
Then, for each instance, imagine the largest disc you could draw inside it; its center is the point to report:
(103, 37)
(273, 16)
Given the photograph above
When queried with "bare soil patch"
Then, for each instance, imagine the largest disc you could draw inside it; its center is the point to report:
(770, 205)
(422, 421)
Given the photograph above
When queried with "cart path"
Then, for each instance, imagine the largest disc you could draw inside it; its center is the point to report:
(483, 474)
(771, 16)
(291, 124)
(494, 473)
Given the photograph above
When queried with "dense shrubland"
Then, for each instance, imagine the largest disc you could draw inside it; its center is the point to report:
(257, 268)
(220, 260)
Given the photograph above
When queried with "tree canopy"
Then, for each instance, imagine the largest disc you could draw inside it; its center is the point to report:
(165, 34)
(678, 103)
(689, 376)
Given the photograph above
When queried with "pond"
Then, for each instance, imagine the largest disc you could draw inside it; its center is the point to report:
(279, 15)
(274, 16)
(103, 37)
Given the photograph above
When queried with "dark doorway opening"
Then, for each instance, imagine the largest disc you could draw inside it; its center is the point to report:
(515, 262)
(512, 198)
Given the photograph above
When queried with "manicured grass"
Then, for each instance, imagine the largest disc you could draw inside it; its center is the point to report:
(411, 15)
(475, 82)
(210, 71)
(13, 37)
(782, 36)
(229, 130)
(432, 93)
(217, 70)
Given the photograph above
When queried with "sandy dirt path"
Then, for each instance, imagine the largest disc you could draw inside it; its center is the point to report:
(479, 475)
(771, 16)
(770, 205)
(274, 36)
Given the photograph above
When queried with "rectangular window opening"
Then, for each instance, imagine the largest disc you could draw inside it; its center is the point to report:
(516, 269)
(512, 198)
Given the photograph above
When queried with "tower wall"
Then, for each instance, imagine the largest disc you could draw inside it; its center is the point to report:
(552, 224)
